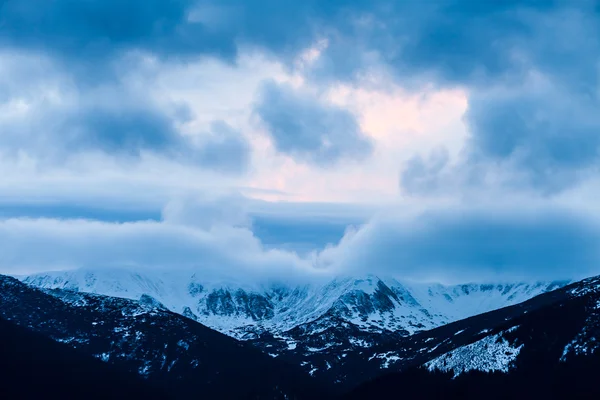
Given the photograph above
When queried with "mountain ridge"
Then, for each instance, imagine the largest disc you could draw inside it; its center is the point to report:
(546, 347)
(233, 307)
(313, 326)
(174, 352)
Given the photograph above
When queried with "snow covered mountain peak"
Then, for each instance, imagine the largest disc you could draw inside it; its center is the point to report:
(247, 309)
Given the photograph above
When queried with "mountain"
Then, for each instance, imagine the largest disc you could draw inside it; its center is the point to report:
(33, 366)
(170, 351)
(314, 325)
(547, 347)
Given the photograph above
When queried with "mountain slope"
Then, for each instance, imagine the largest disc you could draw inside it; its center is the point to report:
(547, 347)
(313, 325)
(167, 349)
(34, 367)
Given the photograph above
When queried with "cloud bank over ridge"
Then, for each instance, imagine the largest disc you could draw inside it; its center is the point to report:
(471, 126)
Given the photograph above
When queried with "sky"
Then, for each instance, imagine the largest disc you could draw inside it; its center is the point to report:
(437, 140)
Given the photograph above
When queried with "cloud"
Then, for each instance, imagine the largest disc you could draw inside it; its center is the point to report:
(223, 149)
(36, 245)
(124, 133)
(462, 42)
(208, 211)
(85, 86)
(51, 120)
(94, 29)
(454, 41)
(467, 243)
(444, 244)
(548, 135)
(422, 175)
(539, 137)
(308, 129)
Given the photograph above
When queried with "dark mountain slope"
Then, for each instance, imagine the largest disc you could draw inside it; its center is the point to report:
(35, 367)
(178, 354)
(392, 353)
(545, 348)
(575, 379)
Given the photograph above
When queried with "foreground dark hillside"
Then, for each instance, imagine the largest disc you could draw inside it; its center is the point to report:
(177, 354)
(575, 379)
(549, 350)
(35, 367)
(545, 347)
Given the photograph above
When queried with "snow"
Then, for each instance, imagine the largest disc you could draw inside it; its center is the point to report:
(277, 308)
(318, 349)
(590, 285)
(144, 370)
(585, 342)
(387, 358)
(183, 344)
(492, 353)
(359, 342)
(292, 345)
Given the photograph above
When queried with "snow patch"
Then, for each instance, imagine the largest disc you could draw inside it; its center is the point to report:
(387, 358)
(492, 353)
(183, 344)
(359, 342)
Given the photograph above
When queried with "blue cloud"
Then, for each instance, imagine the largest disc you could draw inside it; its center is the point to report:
(307, 129)
(120, 131)
(471, 243)
(223, 149)
(69, 210)
(96, 29)
(125, 132)
(544, 134)
(457, 40)
(461, 42)
(300, 235)
(99, 29)
(422, 175)
(551, 137)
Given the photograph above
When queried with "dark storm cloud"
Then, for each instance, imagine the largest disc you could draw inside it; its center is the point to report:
(99, 28)
(95, 28)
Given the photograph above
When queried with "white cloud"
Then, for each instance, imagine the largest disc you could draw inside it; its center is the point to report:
(34, 245)
(212, 235)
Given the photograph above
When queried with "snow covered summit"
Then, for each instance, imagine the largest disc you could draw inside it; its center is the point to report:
(244, 310)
